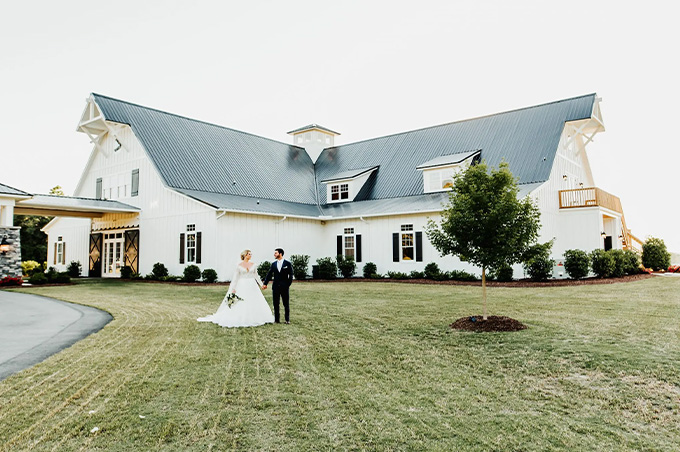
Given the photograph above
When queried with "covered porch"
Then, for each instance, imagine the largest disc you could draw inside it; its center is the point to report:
(612, 229)
(17, 202)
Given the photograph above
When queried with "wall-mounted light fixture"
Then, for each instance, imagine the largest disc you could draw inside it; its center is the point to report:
(4, 245)
(564, 177)
(603, 234)
(620, 236)
(580, 184)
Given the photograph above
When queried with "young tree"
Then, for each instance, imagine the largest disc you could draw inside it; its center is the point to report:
(484, 223)
(57, 190)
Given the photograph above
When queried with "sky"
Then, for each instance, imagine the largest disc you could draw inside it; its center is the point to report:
(362, 68)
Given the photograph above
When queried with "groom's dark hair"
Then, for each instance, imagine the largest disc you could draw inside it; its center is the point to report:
(280, 250)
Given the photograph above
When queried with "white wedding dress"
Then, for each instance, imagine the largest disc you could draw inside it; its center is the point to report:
(252, 310)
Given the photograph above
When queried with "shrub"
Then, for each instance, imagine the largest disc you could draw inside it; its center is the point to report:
(631, 264)
(503, 272)
(11, 281)
(461, 275)
(416, 275)
(151, 277)
(397, 275)
(38, 279)
(263, 269)
(126, 272)
(170, 278)
(159, 270)
(191, 273)
(442, 276)
(136, 276)
(603, 263)
(328, 269)
(300, 264)
(62, 278)
(537, 261)
(370, 270)
(74, 269)
(655, 255)
(51, 274)
(576, 263)
(431, 270)
(209, 275)
(346, 265)
(28, 268)
(619, 263)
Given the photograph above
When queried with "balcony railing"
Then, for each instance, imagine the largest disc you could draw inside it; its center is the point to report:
(595, 197)
(589, 197)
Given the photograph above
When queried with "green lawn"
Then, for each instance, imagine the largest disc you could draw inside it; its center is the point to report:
(363, 366)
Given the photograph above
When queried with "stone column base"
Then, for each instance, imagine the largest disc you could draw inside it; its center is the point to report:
(10, 262)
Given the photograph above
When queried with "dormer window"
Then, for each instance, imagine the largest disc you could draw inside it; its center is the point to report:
(339, 191)
(346, 185)
(439, 173)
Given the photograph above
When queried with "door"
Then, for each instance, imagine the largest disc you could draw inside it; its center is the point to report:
(114, 253)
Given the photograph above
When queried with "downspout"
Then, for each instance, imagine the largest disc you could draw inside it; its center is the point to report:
(220, 215)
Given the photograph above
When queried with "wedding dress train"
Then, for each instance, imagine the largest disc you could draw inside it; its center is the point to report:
(252, 310)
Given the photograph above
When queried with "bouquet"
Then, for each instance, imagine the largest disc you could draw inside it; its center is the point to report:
(232, 298)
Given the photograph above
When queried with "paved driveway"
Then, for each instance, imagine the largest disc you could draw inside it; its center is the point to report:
(32, 328)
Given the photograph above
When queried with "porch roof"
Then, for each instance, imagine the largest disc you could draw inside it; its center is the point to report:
(68, 206)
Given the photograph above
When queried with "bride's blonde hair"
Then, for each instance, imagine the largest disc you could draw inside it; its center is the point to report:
(243, 254)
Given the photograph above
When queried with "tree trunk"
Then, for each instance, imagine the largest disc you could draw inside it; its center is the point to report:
(484, 290)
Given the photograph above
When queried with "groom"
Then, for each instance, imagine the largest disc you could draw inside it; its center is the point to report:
(282, 271)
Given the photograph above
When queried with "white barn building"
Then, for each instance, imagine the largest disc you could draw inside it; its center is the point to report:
(191, 192)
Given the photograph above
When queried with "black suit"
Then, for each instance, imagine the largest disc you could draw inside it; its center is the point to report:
(282, 281)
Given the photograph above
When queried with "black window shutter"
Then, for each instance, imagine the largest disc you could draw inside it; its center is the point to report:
(98, 189)
(55, 253)
(395, 247)
(419, 246)
(181, 248)
(340, 253)
(63, 253)
(135, 182)
(358, 250)
(198, 247)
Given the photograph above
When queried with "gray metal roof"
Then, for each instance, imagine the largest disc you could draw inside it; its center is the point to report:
(224, 167)
(527, 139)
(313, 126)
(447, 159)
(265, 206)
(74, 204)
(349, 174)
(196, 155)
(7, 190)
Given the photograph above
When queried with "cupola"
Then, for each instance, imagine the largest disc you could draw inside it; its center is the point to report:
(314, 139)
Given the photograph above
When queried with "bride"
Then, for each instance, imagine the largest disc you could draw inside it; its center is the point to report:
(251, 309)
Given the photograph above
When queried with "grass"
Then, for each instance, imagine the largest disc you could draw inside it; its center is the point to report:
(363, 366)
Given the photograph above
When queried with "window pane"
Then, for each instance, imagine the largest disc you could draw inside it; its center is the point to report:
(407, 253)
(407, 227)
(349, 230)
(349, 242)
(335, 197)
(349, 252)
(406, 239)
(191, 255)
(447, 183)
(344, 195)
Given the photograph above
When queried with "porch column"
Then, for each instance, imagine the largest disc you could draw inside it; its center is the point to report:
(10, 261)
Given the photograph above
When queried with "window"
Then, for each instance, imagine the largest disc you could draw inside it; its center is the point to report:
(116, 186)
(407, 242)
(440, 179)
(339, 192)
(191, 243)
(134, 191)
(60, 251)
(349, 246)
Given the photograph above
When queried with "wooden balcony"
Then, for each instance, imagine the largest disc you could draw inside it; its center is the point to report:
(589, 197)
(596, 197)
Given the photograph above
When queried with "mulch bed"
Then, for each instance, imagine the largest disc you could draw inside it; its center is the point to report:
(516, 283)
(493, 323)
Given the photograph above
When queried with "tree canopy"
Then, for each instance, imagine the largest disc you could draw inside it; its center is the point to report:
(484, 222)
